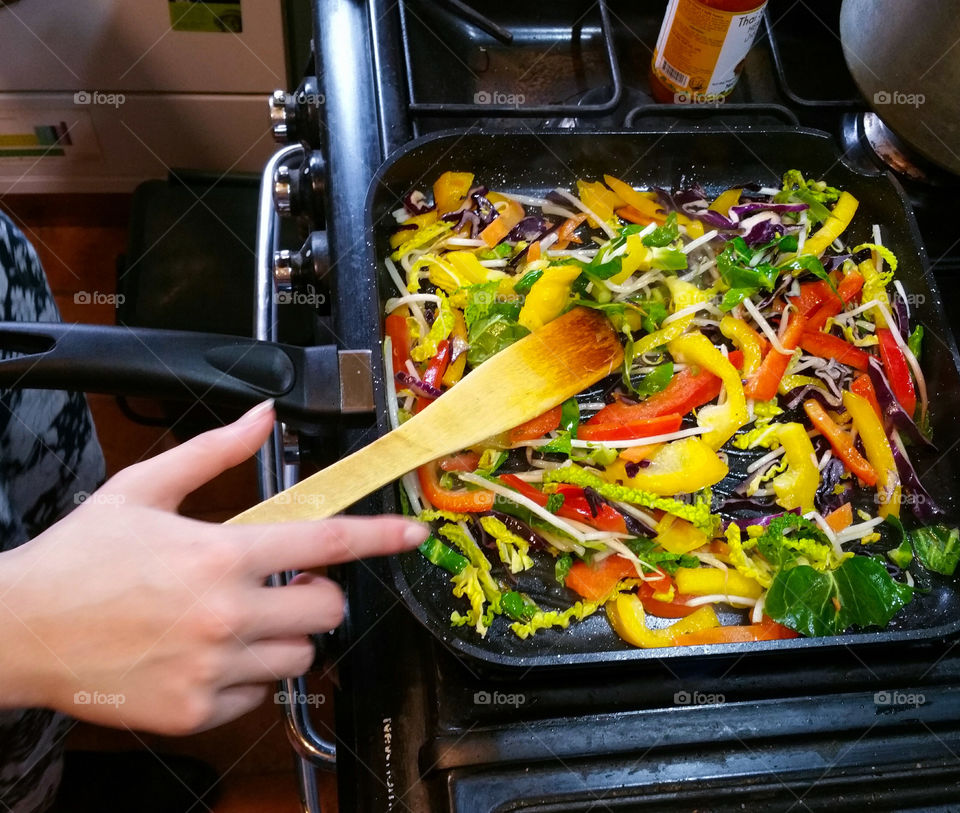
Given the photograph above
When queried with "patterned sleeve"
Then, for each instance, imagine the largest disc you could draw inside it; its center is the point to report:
(49, 460)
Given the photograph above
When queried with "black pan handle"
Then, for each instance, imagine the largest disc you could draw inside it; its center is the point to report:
(306, 382)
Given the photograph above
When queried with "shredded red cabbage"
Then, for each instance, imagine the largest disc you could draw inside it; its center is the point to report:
(893, 414)
(416, 203)
(417, 386)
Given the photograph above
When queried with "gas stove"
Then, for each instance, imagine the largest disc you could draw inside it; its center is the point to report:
(419, 728)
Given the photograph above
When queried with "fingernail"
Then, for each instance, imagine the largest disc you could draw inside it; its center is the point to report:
(415, 533)
(252, 415)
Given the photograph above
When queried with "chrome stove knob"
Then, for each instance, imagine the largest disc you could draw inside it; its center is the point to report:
(278, 116)
(283, 191)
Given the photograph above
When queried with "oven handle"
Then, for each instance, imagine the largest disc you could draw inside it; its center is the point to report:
(273, 472)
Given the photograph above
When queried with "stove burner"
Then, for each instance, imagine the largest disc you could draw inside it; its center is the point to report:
(869, 141)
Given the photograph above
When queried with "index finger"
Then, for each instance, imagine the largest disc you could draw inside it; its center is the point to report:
(304, 545)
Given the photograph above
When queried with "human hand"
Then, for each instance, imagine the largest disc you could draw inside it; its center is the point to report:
(125, 613)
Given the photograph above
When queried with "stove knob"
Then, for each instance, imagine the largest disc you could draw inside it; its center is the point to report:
(296, 116)
(305, 268)
(283, 191)
(300, 191)
(278, 116)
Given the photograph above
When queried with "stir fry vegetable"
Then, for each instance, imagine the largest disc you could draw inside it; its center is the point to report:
(753, 455)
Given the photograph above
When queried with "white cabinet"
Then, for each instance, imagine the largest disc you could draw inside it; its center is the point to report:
(102, 94)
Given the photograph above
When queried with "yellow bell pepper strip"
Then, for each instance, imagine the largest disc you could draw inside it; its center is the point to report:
(600, 200)
(548, 296)
(456, 367)
(450, 190)
(723, 202)
(878, 450)
(747, 340)
(841, 442)
(680, 467)
(722, 420)
(404, 232)
(834, 225)
(637, 200)
(635, 258)
(693, 226)
(629, 621)
(797, 486)
(678, 535)
(682, 295)
(709, 581)
(468, 267)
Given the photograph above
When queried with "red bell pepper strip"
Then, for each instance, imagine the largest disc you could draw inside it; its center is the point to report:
(678, 608)
(898, 373)
(537, 427)
(661, 425)
(812, 295)
(863, 386)
(828, 346)
(841, 442)
(766, 630)
(847, 290)
(687, 390)
(596, 582)
(437, 366)
(395, 326)
(464, 461)
(575, 505)
(763, 384)
(461, 501)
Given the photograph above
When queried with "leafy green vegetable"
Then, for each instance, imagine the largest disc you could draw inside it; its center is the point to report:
(937, 547)
(668, 259)
(742, 278)
(781, 548)
(596, 456)
(555, 502)
(915, 342)
(654, 312)
(514, 551)
(663, 235)
(484, 300)
(570, 416)
(807, 262)
(559, 445)
(654, 381)
(562, 568)
(490, 461)
(488, 336)
(519, 607)
(902, 555)
(814, 193)
(525, 282)
(858, 593)
(660, 559)
(439, 554)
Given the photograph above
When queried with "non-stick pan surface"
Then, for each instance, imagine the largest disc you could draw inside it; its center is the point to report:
(533, 163)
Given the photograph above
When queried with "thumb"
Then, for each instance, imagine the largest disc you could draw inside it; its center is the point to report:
(163, 481)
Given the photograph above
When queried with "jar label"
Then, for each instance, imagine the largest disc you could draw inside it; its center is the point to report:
(700, 50)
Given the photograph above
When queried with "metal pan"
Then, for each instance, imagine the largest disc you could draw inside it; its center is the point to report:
(533, 163)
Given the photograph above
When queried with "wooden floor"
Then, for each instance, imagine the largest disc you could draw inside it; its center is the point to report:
(78, 239)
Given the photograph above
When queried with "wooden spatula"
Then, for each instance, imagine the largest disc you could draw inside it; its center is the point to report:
(528, 378)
